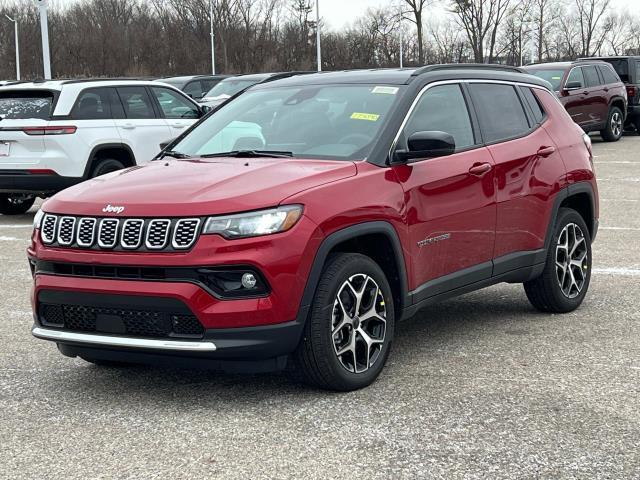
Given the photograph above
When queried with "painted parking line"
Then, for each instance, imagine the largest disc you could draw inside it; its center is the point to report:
(628, 229)
(628, 200)
(628, 272)
(10, 239)
(630, 179)
(18, 225)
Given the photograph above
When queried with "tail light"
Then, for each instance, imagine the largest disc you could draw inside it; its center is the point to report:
(632, 91)
(62, 130)
(587, 143)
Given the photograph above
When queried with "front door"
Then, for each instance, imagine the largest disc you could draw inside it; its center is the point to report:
(450, 201)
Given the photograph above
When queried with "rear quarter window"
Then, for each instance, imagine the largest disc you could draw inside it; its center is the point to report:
(534, 105)
(608, 74)
(22, 105)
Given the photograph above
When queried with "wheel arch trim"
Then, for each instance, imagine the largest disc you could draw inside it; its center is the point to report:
(106, 146)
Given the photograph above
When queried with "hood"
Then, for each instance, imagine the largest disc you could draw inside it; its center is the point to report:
(176, 188)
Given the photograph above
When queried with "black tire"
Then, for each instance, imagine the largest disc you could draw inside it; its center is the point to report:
(545, 292)
(106, 165)
(316, 358)
(16, 203)
(614, 128)
(106, 363)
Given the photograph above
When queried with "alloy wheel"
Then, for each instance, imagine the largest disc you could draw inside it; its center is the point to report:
(18, 199)
(359, 323)
(572, 260)
(616, 124)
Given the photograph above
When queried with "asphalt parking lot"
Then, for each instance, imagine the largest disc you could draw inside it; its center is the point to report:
(478, 387)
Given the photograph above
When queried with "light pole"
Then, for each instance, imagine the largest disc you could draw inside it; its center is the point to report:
(319, 48)
(213, 42)
(44, 30)
(17, 47)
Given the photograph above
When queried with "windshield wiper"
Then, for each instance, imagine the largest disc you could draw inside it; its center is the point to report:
(174, 154)
(250, 154)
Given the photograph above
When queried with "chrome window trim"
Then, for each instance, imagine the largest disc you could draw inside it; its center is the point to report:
(166, 237)
(195, 234)
(449, 82)
(93, 231)
(101, 244)
(73, 231)
(124, 229)
(114, 341)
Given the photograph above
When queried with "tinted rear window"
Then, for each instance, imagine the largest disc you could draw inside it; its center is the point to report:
(24, 104)
(608, 74)
(501, 113)
(621, 66)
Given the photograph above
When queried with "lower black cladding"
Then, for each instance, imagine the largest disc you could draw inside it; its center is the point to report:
(128, 315)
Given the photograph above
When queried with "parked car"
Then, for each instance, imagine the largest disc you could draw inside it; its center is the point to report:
(234, 85)
(55, 134)
(592, 93)
(349, 201)
(628, 69)
(196, 86)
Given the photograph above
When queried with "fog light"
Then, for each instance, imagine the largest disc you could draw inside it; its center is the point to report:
(249, 281)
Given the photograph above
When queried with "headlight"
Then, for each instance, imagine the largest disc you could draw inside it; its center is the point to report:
(253, 224)
(37, 219)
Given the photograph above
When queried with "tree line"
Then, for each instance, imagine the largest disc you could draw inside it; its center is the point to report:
(115, 38)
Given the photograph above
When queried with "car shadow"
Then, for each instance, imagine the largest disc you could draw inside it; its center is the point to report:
(463, 319)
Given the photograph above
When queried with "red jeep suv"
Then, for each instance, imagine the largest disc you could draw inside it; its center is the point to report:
(296, 225)
(592, 93)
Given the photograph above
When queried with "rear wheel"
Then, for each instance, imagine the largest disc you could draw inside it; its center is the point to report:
(106, 165)
(614, 127)
(16, 203)
(565, 280)
(348, 336)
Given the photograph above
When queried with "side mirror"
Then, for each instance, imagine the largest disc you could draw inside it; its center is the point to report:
(576, 85)
(427, 145)
(165, 144)
(204, 109)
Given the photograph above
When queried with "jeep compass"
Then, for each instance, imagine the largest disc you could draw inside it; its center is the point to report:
(294, 228)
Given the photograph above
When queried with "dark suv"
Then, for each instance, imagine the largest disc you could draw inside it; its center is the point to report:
(296, 225)
(628, 69)
(592, 93)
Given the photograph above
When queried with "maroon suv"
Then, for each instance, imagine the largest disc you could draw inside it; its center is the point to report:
(300, 221)
(592, 93)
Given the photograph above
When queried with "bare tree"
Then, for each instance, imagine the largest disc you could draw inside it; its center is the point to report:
(590, 12)
(417, 8)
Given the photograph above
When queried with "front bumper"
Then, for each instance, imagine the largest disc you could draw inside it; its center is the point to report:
(19, 181)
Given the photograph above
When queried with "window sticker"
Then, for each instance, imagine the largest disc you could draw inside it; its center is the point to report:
(385, 90)
(556, 78)
(371, 117)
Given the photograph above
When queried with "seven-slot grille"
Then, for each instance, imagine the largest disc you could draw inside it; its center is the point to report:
(120, 234)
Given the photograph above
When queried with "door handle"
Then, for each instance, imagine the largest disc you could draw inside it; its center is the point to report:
(178, 125)
(480, 169)
(128, 126)
(586, 92)
(545, 151)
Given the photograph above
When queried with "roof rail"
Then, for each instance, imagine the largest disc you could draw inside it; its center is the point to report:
(466, 66)
(115, 79)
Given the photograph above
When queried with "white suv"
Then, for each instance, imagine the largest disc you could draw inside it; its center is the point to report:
(54, 134)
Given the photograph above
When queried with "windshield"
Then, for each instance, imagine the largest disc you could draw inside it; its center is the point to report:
(336, 122)
(554, 77)
(24, 105)
(230, 87)
(175, 82)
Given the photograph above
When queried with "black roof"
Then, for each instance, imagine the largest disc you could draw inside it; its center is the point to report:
(396, 76)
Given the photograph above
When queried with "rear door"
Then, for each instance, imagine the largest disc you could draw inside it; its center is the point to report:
(597, 96)
(576, 100)
(21, 148)
(178, 111)
(142, 127)
(526, 170)
(450, 201)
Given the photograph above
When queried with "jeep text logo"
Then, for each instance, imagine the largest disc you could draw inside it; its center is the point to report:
(111, 209)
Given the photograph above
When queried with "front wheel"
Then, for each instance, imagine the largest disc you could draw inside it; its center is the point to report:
(567, 273)
(348, 335)
(16, 203)
(106, 165)
(613, 129)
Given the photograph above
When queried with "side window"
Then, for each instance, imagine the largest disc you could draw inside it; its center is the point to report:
(576, 76)
(117, 110)
(442, 108)
(173, 105)
(207, 85)
(193, 89)
(92, 104)
(500, 112)
(637, 79)
(608, 74)
(136, 102)
(591, 76)
(534, 104)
